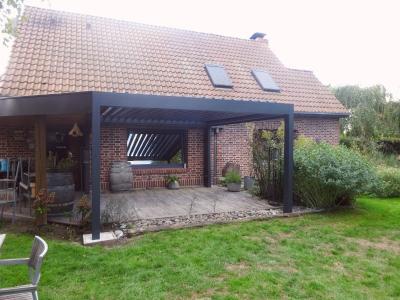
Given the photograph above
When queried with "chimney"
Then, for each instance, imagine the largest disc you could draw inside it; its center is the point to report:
(258, 36)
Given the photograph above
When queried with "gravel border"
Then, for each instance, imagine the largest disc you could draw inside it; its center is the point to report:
(149, 225)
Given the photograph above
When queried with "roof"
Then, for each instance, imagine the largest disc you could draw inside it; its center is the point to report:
(59, 52)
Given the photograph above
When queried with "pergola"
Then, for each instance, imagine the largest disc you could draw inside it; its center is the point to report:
(148, 111)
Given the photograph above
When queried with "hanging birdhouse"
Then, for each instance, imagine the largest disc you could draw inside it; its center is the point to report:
(75, 131)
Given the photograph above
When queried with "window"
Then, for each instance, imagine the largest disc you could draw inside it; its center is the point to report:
(161, 148)
(218, 76)
(265, 81)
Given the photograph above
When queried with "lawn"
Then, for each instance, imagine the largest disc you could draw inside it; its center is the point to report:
(350, 254)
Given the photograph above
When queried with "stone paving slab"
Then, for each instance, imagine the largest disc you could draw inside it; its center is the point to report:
(163, 203)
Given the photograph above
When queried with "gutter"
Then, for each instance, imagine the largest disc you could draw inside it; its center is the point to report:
(322, 114)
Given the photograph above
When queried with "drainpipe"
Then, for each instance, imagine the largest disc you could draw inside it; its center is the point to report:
(216, 130)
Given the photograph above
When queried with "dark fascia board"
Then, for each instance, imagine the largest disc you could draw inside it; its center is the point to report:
(54, 104)
(190, 103)
(244, 119)
(80, 102)
(321, 114)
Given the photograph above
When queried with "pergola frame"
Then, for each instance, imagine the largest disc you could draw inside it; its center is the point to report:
(198, 113)
(241, 111)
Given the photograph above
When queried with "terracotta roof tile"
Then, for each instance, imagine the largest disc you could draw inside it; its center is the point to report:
(58, 52)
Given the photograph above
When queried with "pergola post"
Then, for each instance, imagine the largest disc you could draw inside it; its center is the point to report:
(288, 164)
(95, 160)
(40, 153)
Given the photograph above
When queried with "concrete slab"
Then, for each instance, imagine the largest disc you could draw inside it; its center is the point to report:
(162, 203)
(105, 238)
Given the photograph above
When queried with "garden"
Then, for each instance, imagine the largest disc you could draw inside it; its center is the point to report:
(343, 254)
(349, 251)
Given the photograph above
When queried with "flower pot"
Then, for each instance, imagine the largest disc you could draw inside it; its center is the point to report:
(173, 185)
(248, 182)
(234, 187)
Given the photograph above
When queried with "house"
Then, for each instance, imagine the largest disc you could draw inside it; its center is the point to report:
(171, 101)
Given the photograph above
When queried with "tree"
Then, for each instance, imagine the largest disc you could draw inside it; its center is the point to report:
(10, 11)
(373, 113)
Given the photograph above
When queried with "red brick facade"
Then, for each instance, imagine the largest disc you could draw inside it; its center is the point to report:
(114, 148)
(233, 140)
(232, 145)
(16, 142)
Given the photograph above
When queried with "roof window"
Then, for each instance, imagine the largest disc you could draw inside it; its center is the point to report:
(218, 76)
(265, 80)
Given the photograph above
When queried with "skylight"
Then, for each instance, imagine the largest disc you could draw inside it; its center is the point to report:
(265, 81)
(218, 76)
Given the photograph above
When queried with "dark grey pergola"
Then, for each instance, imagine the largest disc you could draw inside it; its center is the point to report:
(151, 111)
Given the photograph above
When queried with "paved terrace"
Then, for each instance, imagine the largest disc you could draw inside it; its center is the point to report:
(162, 203)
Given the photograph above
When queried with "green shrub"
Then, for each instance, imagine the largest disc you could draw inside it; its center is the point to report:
(327, 176)
(388, 182)
(233, 177)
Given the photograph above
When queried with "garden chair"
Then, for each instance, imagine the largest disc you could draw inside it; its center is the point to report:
(26, 179)
(2, 238)
(9, 186)
(28, 291)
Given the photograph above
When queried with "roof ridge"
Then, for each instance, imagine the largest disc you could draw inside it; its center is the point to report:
(301, 70)
(256, 42)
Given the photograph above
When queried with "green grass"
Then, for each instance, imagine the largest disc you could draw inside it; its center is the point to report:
(350, 254)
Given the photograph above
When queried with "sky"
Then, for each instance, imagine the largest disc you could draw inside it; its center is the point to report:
(342, 42)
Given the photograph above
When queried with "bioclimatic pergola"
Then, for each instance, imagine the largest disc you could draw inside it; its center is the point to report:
(151, 111)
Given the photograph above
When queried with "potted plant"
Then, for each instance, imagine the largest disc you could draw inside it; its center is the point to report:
(172, 182)
(233, 181)
(40, 206)
(84, 209)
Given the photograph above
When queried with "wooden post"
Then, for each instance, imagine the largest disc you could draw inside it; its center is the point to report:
(40, 153)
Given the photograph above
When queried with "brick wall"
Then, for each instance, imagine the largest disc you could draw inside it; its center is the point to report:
(114, 148)
(192, 175)
(16, 142)
(233, 145)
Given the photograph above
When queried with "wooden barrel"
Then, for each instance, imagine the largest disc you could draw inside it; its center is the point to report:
(62, 184)
(121, 177)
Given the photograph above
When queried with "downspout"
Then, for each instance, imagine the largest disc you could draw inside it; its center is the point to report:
(216, 130)
(215, 156)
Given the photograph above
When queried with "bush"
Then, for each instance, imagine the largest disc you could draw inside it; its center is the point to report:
(388, 183)
(267, 152)
(233, 177)
(327, 176)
